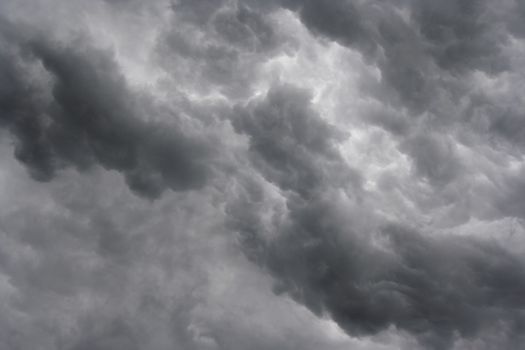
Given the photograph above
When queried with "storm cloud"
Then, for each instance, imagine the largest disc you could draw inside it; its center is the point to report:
(435, 288)
(84, 113)
(241, 174)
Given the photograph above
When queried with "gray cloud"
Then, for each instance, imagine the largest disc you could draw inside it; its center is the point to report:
(434, 158)
(437, 289)
(290, 144)
(90, 116)
(359, 206)
(455, 35)
(217, 46)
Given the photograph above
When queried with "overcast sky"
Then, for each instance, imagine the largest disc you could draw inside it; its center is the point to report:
(261, 175)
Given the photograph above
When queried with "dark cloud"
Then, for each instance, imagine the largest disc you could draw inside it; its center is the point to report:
(339, 20)
(290, 144)
(359, 203)
(498, 118)
(446, 69)
(434, 158)
(85, 114)
(517, 14)
(461, 35)
(418, 45)
(437, 289)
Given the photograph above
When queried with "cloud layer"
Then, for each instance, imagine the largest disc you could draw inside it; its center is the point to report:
(236, 174)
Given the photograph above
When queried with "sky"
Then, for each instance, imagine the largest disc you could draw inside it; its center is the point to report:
(279, 174)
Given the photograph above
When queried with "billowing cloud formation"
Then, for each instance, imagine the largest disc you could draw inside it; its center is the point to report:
(290, 145)
(241, 174)
(433, 288)
(89, 115)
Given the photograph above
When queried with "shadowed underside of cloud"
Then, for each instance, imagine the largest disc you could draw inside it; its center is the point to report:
(85, 114)
(436, 289)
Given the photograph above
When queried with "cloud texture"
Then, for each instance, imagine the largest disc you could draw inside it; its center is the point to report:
(287, 174)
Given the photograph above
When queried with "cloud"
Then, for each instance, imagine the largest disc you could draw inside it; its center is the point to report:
(289, 142)
(217, 47)
(437, 289)
(84, 113)
(326, 174)
(434, 158)
(434, 289)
